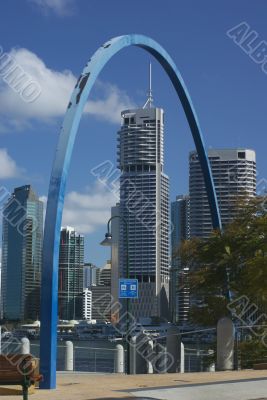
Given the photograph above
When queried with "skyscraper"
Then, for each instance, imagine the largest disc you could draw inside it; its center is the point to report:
(180, 220)
(91, 275)
(22, 254)
(144, 204)
(179, 288)
(70, 283)
(234, 174)
(87, 304)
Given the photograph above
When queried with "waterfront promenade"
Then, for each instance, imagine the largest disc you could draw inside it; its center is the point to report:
(243, 385)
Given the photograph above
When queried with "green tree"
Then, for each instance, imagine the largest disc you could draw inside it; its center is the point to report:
(228, 264)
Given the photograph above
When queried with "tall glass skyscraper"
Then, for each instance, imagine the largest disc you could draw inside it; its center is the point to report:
(179, 287)
(22, 255)
(70, 280)
(144, 203)
(91, 275)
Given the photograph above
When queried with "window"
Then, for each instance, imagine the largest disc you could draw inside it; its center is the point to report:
(242, 155)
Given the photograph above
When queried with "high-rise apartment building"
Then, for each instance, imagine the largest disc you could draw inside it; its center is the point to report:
(234, 175)
(22, 241)
(179, 286)
(144, 204)
(87, 304)
(180, 220)
(70, 282)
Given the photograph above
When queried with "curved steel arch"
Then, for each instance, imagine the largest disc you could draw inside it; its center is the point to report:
(60, 172)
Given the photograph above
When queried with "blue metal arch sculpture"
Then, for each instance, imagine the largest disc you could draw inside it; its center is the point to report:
(49, 291)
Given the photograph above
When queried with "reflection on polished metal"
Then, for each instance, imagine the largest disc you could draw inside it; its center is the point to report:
(61, 169)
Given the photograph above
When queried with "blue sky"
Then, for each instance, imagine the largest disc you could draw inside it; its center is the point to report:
(52, 41)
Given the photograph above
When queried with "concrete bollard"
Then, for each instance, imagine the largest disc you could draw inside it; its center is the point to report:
(161, 360)
(69, 356)
(149, 353)
(182, 358)
(211, 366)
(173, 349)
(25, 346)
(139, 354)
(132, 355)
(225, 344)
(119, 360)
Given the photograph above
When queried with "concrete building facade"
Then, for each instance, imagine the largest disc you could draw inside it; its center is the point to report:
(234, 174)
(87, 304)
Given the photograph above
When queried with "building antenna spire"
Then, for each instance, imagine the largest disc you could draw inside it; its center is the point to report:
(149, 102)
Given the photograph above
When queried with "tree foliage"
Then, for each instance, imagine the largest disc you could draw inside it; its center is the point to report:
(228, 264)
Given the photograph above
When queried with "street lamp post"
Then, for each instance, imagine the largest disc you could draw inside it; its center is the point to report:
(108, 242)
(229, 299)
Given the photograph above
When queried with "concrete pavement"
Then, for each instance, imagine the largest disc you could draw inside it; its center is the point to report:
(236, 385)
(248, 390)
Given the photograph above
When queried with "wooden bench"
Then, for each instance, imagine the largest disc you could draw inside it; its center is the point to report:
(19, 369)
(260, 366)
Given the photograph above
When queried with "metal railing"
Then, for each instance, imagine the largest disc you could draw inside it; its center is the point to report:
(86, 359)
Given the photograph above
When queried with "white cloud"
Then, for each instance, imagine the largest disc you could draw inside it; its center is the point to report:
(59, 7)
(88, 210)
(111, 106)
(56, 88)
(8, 167)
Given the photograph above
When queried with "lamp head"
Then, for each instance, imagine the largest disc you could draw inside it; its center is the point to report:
(108, 240)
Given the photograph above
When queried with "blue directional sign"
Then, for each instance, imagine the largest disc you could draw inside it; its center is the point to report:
(128, 288)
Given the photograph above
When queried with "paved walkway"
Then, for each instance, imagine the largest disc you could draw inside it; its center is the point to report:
(243, 385)
(240, 390)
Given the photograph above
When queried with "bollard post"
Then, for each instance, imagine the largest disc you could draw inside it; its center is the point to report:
(173, 349)
(161, 359)
(149, 353)
(141, 353)
(119, 359)
(25, 346)
(211, 367)
(69, 356)
(132, 355)
(182, 358)
(225, 344)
